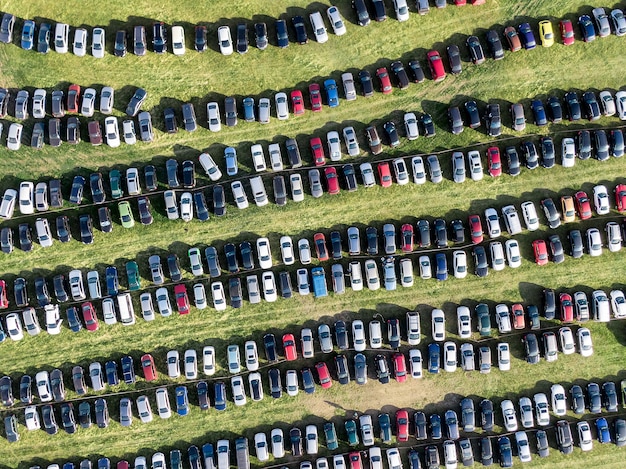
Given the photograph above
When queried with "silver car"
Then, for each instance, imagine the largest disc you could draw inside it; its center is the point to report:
(145, 126)
(434, 169)
(351, 142)
(326, 341)
(315, 183)
(458, 166)
(389, 234)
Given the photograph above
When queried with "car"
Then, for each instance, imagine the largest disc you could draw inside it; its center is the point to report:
(435, 64)
(455, 120)
(28, 33)
(336, 21)
(224, 40)
(602, 22)
(508, 414)
(512, 38)
(301, 34)
(539, 112)
(242, 38)
(527, 36)
(14, 137)
(587, 31)
(591, 108)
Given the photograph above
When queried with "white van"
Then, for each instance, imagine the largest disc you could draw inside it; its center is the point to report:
(319, 29)
(258, 191)
(61, 37)
(258, 158)
(126, 310)
(93, 284)
(178, 40)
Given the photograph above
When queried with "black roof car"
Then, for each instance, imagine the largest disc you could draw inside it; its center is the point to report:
(203, 395)
(530, 154)
(363, 16)
(37, 136)
(552, 214)
(555, 110)
(189, 117)
(367, 85)
(242, 38)
(454, 57)
(284, 281)
(280, 190)
(159, 37)
(200, 38)
(25, 237)
(200, 206)
(298, 24)
(341, 367)
(480, 261)
(174, 267)
(371, 235)
(350, 177)
(150, 176)
(392, 134)
(63, 228)
(548, 157)
(382, 368)
(247, 256)
(531, 345)
(86, 229)
(120, 44)
(492, 120)
(104, 219)
(169, 117)
(398, 69)
(457, 231)
(260, 35)
(282, 35)
(189, 176)
(601, 144)
(136, 101)
(341, 335)
(230, 251)
(440, 233)
(506, 454)
(576, 243)
(495, 45)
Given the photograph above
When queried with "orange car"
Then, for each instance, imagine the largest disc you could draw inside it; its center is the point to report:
(518, 316)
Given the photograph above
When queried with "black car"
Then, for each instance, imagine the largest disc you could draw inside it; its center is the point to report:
(335, 244)
(379, 10)
(531, 346)
(363, 16)
(20, 292)
(298, 24)
(440, 233)
(230, 111)
(212, 261)
(26, 389)
(49, 420)
(6, 240)
(616, 138)
(234, 292)
(43, 38)
(416, 71)
(350, 177)
(495, 45)
(63, 228)
(84, 414)
(576, 243)
(6, 391)
(159, 37)
(393, 333)
(555, 110)
(543, 447)
(169, 117)
(548, 157)
(591, 106)
(203, 395)
(455, 120)
(73, 319)
(472, 111)
(573, 106)
(171, 166)
(201, 207)
(76, 194)
(284, 284)
(219, 200)
(476, 50)
(231, 257)
(308, 382)
(67, 417)
(492, 120)
(104, 219)
(341, 366)
(145, 216)
(392, 134)
(200, 38)
(578, 398)
(86, 229)
(601, 144)
(486, 451)
(371, 235)
(480, 261)
(26, 239)
(136, 101)
(367, 85)
(174, 267)
(341, 335)
(403, 79)
(423, 233)
(150, 176)
(97, 188)
(280, 190)
(128, 369)
(295, 439)
(269, 343)
(260, 35)
(110, 369)
(247, 256)
(242, 38)
(530, 154)
(276, 388)
(609, 393)
(506, 454)
(56, 197)
(486, 415)
(282, 36)
(189, 175)
(584, 144)
(454, 57)
(120, 44)
(427, 124)
(102, 413)
(382, 368)
(457, 231)
(419, 419)
(41, 291)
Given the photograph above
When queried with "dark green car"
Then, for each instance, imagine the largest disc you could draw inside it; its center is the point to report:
(114, 181)
(132, 272)
(353, 437)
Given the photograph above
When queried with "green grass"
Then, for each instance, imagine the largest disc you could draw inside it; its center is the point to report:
(201, 78)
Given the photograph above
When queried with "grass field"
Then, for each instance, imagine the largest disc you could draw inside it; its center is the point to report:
(200, 78)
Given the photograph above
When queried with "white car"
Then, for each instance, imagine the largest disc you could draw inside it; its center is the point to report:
(173, 365)
(286, 250)
(31, 323)
(132, 181)
(239, 194)
(585, 345)
(41, 197)
(513, 254)
(458, 167)
(620, 102)
(352, 144)
(178, 40)
(317, 25)
(468, 362)
(163, 302)
(44, 235)
(254, 293)
(278, 443)
(112, 131)
(26, 198)
(98, 43)
(164, 411)
(264, 253)
(371, 274)
(425, 267)
(542, 414)
(558, 400)
(358, 336)
(171, 206)
(310, 439)
(511, 220)
(401, 173)
(31, 418)
(80, 42)
(594, 242)
(306, 339)
(504, 356)
(42, 381)
(282, 108)
(302, 276)
(618, 303)
(566, 337)
(508, 414)
(613, 236)
(503, 318)
(191, 364)
(304, 251)
(438, 319)
(419, 171)
(95, 374)
(406, 273)
(269, 286)
(413, 327)
(475, 165)
(529, 213)
(601, 308)
(464, 322)
(367, 174)
(449, 357)
(225, 40)
(410, 126)
(128, 130)
(147, 307)
(264, 110)
(601, 200)
(582, 306)
(336, 21)
(493, 223)
(239, 391)
(88, 103)
(334, 145)
(219, 299)
(376, 334)
(213, 116)
(186, 206)
(145, 412)
(584, 436)
(568, 152)
(497, 255)
(7, 207)
(523, 448)
(291, 383)
(14, 327)
(39, 103)
(252, 356)
(260, 447)
(297, 188)
(53, 319)
(195, 261)
(402, 14)
(208, 360)
(416, 363)
(14, 137)
(526, 412)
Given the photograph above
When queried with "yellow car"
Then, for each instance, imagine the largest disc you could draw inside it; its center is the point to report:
(567, 204)
(545, 33)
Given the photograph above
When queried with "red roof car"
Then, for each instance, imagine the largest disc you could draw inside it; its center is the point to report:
(384, 173)
(332, 180)
(182, 300)
(316, 97)
(399, 369)
(620, 197)
(4, 302)
(89, 316)
(460, 2)
(517, 310)
(320, 246)
(541, 251)
(567, 32)
(583, 207)
(123, 465)
(407, 237)
(495, 164)
(567, 307)
(402, 424)
(385, 82)
(512, 38)
(324, 375)
(355, 460)
(318, 151)
(476, 229)
(148, 368)
(73, 98)
(289, 345)
(298, 102)
(436, 65)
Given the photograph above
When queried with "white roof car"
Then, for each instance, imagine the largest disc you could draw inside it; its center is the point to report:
(225, 40)
(213, 116)
(542, 414)
(334, 145)
(493, 223)
(458, 166)
(260, 447)
(503, 318)
(497, 255)
(173, 365)
(286, 250)
(425, 267)
(415, 362)
(358, 336)
(371, 274)
(406, 272)
(239, 392)
(31, 323)
(191, 364)
(7, 207)
(199, 296)
(147, 308)
(14, 326)
(304, 251)
(106, 100)
(239, 194)
(252, 356)
(217, 292)
(163, 409)
(504, 356)
(348, 86)
(186, 206)
(585, 345)
(42, 381)
(208, 360)
(376, 334)
(163, 302)
(278, 443)
(558, 400)
(269, 286)
(144, 411)
(41, 197)
(76, 285)
(449, 357)
(44, 236)
(88, 102)
(310, 436)
(526, 412)
(336, 21)
(401, 173)
(14, 137)
(39, 103)
(319, 30)
(26, 198)
(529, 212)
(410, 126)
(282, 108)
(594, 242)
(291, 383)
(132, 181)
(351, 142)
(402, 14)
(601, 200)
(178, 40)
(31, 418)
(96, 376)
(468, 362)
(523, 448)
(128, 130)
(475, 165)
(568, 152)
(508, 414)
(513, 254)
(566, 337)
(264, 253)
(98, 43)
(171, 206)
(302, 280)
(464, 322)
(438, 319)
(584, 436)
(459, 264)
(80, 42)
(297, 188)
(112, 131)
(367, 174)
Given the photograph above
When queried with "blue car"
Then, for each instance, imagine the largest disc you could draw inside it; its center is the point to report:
(527, 36)
(384, 421)
(331, 436)
(434, 356)
(506, 455)
(282, 37)
(587, 31)
(128, 369)
(248, 109)
(442, 266)
(182, 400)
(435, 426)
(111, 372)
(602, 427)
(308, 383)
(73, 319)
(176, 459)
(28, 33)
(208, 454)
(43, 39)
(332, 96)
(353, 436)
(112, 280)
(539, 112)
(220, 396)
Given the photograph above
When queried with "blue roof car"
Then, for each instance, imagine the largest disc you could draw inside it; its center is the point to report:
(442, 266)
(434, 354)
(527, 36)
(332, 96)
(220, 396)
(182, 400)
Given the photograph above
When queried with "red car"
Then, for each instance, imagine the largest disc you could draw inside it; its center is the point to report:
(316, 97)
(297, 102)
(460, 2)
(4, 302)
(495, 163)
(89, 316)
(355, 460)
(620, 197)
(567, 32)
(517, 310)
(407, 237)
(399, 368)
(182, 300)
(289, 346)
(73, 98)
(320, 246)
(318, 151)
(384, 173)
(332, 180)
(324, 375)
(148, 368)
(435, 64)
(476, 229)
(541, 251)
(567, 307)
(385, 82)
(583, 206)
(402, 425)
(123, 465)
